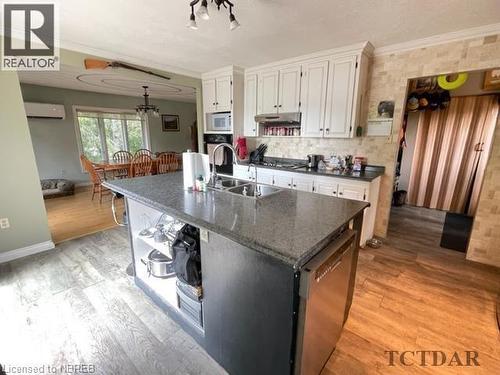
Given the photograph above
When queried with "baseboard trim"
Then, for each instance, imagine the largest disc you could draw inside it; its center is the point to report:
(25, 251)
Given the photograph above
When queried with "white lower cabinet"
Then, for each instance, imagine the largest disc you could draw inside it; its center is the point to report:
(326, 186)
(265, 176)
(303, 183)
(352, 191)
(283, 179)
(242, 172)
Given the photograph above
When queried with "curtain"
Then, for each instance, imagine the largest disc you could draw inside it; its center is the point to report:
(451, 151)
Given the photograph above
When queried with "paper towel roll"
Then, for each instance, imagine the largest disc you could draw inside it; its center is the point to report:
(194, 164)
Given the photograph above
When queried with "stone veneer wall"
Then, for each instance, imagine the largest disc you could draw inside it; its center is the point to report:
(483, 245)
(389, 75)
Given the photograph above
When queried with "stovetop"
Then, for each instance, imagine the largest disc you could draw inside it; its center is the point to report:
(277, 164)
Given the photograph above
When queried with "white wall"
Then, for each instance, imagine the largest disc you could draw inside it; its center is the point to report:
(55, 142)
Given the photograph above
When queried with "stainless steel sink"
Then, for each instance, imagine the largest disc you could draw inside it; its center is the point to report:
(231, 182)
(248, 190)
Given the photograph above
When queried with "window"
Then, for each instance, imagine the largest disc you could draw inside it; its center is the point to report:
(101, 134)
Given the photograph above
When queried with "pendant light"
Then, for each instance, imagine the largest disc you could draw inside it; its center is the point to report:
(202, 12)
(143, 109)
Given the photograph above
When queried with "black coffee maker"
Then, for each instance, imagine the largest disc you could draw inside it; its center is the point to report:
(313, 160)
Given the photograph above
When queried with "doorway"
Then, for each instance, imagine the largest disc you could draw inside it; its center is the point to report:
(444, 146)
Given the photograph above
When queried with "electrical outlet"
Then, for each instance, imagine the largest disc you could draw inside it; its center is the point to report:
(4, 223)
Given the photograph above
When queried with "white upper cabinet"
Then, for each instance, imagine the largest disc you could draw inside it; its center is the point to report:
(327, 87)
(289, 89)
(340, 98)
(209, 97)
(223, 94)
(250, 127)
(313, 98)
(217, 94)
(267, 93)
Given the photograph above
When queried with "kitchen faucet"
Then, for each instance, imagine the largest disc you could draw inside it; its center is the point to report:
(235, 159)
(256, 191)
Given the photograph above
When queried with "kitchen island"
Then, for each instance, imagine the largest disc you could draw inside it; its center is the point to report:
(260, 261)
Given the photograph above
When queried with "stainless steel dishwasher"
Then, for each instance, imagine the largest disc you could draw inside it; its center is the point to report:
(324, 285)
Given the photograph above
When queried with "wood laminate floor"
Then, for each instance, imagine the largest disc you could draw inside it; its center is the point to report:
(77, 215)
(75, 304)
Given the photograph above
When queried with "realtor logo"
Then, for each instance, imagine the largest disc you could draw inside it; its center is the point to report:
(30, 37)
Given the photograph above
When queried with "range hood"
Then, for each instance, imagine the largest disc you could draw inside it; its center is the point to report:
(291, 118)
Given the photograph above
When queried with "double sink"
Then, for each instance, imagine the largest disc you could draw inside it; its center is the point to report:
(243, 188)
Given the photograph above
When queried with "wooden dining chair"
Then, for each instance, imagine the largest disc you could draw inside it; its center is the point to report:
(141, 165)
(97, 176)
(144, 151)
(122, 157)
(167, 162)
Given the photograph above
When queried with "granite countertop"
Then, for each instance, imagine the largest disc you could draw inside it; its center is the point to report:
(291, 225)
(370, 173)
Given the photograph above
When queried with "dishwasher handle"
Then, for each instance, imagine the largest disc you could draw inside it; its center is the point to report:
(325, 262)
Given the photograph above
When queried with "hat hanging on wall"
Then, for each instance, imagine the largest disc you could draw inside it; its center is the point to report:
(412, 102)
(452, 81)
(423, 101)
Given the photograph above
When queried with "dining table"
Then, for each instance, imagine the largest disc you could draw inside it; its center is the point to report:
(112, 166)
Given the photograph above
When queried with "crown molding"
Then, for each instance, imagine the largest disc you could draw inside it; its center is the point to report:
(129, 59)
(454, 36)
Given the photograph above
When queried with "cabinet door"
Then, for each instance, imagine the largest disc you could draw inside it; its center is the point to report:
(340, 98)
(241, 172)
(303, 183)
(313, 98)
(326, 187)
(289, 90)
(223, 94)
(268, 92)
(283, 179)
(209, 100)
(250, 126)
(265, 176)
(352, 191)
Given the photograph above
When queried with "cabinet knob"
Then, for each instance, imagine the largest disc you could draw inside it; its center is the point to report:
(294, 185)
(340, 193)
(289, 185)
(327, 129)
(275, 106)
(320, 129)
(216, 102)
(280, 106)
(213, 103)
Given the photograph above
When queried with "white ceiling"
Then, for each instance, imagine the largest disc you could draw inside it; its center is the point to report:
(110, 81)
(154, 32)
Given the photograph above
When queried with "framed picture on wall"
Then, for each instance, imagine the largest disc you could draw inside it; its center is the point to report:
(170, 123)
(492, 80)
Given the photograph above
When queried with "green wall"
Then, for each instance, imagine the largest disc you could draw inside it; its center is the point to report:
(20, 194)
(55, 141)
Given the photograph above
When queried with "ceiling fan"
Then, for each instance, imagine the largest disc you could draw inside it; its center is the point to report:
(103, 64)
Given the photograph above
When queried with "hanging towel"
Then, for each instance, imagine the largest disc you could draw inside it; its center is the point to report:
(219, 156)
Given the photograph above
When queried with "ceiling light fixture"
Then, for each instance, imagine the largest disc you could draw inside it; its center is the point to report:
(143, 109)
(202, 12)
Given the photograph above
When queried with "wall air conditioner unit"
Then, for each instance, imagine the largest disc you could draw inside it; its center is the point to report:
(43, 110)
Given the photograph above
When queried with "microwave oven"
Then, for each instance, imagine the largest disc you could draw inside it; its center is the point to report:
(219, 122)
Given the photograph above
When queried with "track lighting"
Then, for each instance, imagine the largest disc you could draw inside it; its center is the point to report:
(202, 12)
(192, 21)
